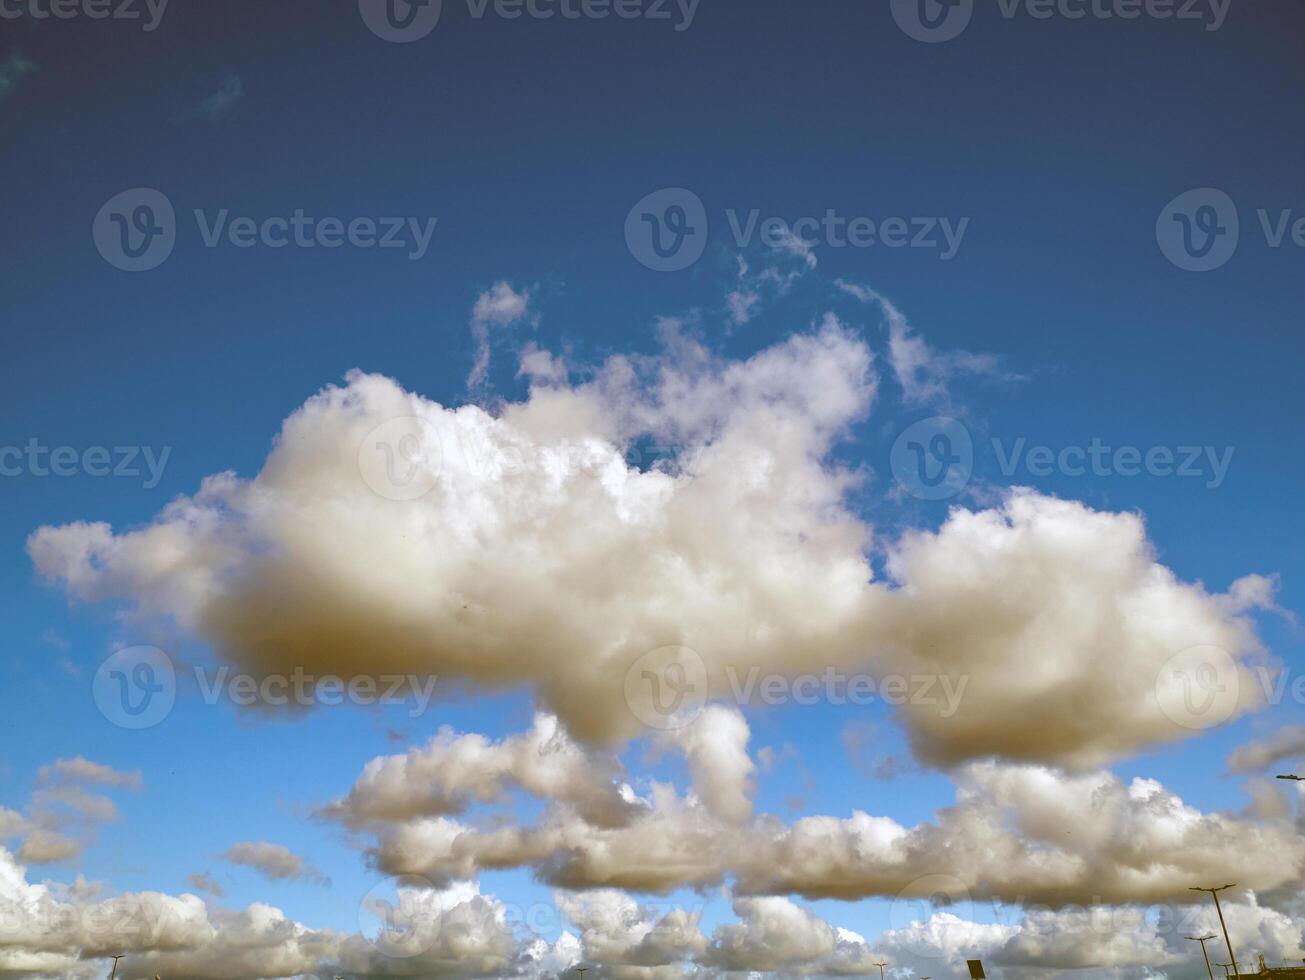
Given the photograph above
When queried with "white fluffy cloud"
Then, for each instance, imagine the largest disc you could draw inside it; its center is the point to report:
(1016, 834)
(525, 549)
(455, 932)
(453, 771)
(715, 746)
(1065, 628)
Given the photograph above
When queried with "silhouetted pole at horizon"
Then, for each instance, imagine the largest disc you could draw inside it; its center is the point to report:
(1203, 940)
(1237, 971)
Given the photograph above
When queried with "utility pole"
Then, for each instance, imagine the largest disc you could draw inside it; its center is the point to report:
(115, 965)
(1237, 972)
(1203, 940)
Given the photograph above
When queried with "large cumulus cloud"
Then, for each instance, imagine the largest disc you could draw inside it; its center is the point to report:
(1017, 833)
(539, 547)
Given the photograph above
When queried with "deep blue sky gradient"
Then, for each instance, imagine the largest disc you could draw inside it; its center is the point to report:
(530, 141)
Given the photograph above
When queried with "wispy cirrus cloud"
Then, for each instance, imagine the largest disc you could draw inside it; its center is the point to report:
(1287, 742)
(12, 70)
(274, 862)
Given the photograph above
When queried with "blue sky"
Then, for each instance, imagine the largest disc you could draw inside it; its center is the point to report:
(1060, 141)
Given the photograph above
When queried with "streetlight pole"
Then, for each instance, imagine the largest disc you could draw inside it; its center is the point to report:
(115, 965)
(1203, 940)
(881, 969)
(1215, 892)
